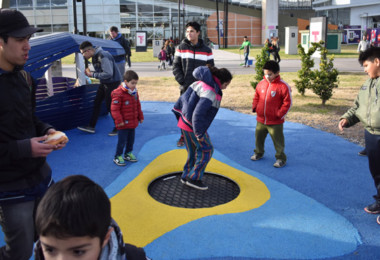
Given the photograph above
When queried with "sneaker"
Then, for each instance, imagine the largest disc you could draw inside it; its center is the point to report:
(119, 160)
(87, 129)
(183, 180)
(197, 184)
(279, 163)
(256, 157)
(130, 157)
(362, 152)
(374, 208)
(181, 142)
(113, 132)
(378, 220)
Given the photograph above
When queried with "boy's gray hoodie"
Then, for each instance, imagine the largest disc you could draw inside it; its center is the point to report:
(105, 67)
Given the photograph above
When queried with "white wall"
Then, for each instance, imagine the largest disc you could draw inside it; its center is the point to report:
(359, 15)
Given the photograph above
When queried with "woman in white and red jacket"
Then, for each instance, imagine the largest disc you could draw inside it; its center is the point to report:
(272, 101)
(127, 114)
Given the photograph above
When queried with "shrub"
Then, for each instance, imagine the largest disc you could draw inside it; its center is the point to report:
(261, 59)
(322, 81)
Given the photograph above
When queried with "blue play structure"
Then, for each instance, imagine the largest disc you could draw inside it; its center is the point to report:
(68, 107)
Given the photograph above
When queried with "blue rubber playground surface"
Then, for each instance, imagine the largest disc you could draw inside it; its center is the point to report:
(310, 209)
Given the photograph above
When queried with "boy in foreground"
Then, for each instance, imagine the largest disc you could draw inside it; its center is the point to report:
(74, 221)
(272, 101)
(366, 109)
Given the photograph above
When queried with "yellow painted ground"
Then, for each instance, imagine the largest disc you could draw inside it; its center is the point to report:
(143, 219)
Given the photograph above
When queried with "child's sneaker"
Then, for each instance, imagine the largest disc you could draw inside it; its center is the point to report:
(197, 184)
(119, 160)
(279, 163)
(374, 208)
(256, 157)
(130, 157)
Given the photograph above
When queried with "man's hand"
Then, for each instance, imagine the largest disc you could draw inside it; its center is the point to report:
(88, 72)
(40, 149)
(342, 124)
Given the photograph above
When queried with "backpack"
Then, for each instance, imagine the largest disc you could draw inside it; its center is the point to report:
(159, 55)
(162, 55)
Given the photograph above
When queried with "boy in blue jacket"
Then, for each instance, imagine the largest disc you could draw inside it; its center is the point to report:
(196, 110)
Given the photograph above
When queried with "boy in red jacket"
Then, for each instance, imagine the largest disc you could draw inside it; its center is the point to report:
(127, 113)
(271, 103)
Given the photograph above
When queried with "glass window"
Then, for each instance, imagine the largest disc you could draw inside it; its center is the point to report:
(60, 28)
(25, 4)
(58, 3)
(43, 4)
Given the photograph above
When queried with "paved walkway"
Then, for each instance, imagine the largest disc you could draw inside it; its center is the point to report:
(230, 61)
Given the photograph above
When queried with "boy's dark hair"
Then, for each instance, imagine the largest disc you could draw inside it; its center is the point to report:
(223, 74)
(85, 45)
(195, 25)
(369, 54)
(74, 207)
(130, 75)
(272, 66)
(114, 29)
(4, 37)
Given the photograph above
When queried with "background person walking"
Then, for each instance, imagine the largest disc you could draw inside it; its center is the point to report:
(246, 45)
(120, 60)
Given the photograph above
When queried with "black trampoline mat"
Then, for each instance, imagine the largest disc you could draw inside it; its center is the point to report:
(169, 190)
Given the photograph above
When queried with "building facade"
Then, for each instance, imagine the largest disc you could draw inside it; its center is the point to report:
(363, 13)
(162, 19)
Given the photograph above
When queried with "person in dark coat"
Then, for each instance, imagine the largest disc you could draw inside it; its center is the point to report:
(24, 173)
(190, 54)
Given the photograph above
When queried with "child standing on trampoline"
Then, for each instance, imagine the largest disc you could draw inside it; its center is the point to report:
(196, 109)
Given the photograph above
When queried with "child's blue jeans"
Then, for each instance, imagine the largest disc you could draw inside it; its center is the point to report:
(126, 139)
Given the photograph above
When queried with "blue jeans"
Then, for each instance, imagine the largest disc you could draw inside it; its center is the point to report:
(246, 55)
(372, 146)
(126, 138)
(17, 221)
(17, 210)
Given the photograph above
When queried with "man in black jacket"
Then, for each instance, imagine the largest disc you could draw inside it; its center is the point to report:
(120, 60)
(24, 173)
(190, 54)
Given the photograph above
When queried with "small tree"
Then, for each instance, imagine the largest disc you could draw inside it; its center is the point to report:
(322, 81)
(261, 59)
(304, 73)
(326, 78)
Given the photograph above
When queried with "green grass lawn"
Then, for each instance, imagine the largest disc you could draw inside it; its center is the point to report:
(136, 57)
